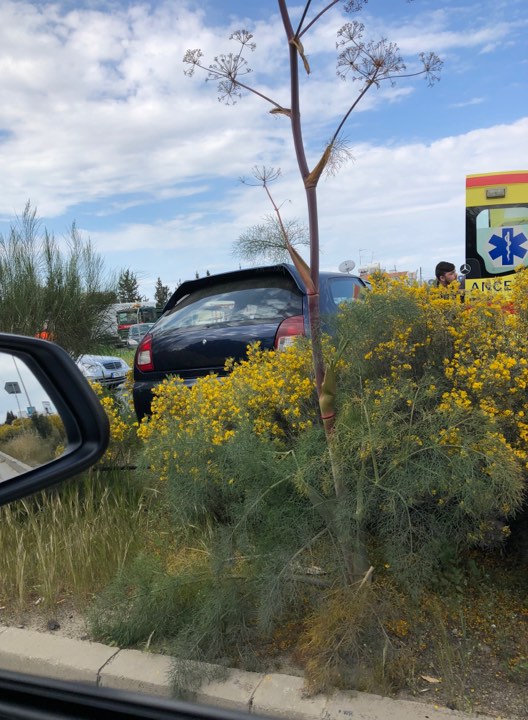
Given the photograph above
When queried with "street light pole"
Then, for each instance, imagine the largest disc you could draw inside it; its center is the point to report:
(22, 383)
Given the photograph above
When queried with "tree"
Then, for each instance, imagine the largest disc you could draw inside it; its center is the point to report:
(368, 63)
(161, 294)
(128, 287)
(41, 285)
(10, 417)
(42, 424)
(266, 242)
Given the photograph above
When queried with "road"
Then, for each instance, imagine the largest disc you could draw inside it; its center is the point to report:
(11, 467)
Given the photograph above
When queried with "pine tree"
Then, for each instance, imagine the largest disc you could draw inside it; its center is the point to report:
(128, 287)
(161, 294)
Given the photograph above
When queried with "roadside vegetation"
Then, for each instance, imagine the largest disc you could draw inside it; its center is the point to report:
(223, 543)
(34, 440)
(66, 544)
(51, 285)
(366, 64)
(431, 439)
(353, 509)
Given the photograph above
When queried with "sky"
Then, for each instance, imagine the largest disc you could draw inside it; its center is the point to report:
(100, 126)
(31, 393)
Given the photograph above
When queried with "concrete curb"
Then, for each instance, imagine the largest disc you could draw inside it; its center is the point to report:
(277, 695)
(11, 467)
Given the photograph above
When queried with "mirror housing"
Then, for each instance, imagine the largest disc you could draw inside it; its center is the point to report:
(85, 422)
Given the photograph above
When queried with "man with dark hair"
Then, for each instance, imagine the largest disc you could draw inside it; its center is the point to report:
(445, 273)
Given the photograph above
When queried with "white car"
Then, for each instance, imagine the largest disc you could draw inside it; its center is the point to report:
(105, 369)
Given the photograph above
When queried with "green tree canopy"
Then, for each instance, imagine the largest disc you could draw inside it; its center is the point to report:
(161, 293)
(62, 287)
(10, 416)
(128, 287)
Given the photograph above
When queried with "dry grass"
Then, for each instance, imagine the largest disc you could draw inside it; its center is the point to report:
(463, 647)
(69, 542)
(29, 448)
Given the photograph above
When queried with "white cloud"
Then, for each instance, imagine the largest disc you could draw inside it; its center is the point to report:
(99, 105)
(468, 103)
(403, 206)
(96, 109)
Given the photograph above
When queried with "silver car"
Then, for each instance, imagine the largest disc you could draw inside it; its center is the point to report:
(105, 369)
(136, 333)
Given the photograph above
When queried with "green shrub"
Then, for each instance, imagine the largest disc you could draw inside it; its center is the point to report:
(430, 460)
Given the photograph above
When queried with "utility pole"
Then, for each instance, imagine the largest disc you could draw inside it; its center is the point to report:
(22, 383)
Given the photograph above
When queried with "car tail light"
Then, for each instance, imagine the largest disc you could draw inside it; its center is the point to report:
(144, 354)
(288, 330)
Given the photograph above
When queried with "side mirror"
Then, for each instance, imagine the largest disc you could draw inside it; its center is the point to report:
(52, 425)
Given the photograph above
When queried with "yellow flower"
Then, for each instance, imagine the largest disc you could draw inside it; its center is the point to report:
(271, 391)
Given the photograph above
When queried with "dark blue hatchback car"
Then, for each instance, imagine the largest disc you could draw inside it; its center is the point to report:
(211, 319)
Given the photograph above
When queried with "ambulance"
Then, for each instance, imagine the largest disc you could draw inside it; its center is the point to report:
(496, 230)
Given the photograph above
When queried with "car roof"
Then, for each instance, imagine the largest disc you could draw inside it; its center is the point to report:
(284, 269)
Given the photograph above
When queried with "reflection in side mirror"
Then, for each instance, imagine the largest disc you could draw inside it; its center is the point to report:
(31, 431)
(52, 426)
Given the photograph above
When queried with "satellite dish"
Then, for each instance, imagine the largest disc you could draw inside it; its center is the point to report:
(347, 266)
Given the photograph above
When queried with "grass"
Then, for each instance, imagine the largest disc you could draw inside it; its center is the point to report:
(462, 647)
(28, 447)
(127, 354)
(70, 541)
(116, 350)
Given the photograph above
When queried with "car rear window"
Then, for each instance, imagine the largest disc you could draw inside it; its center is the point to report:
(247, 302)
(345, 289)
(139, 329)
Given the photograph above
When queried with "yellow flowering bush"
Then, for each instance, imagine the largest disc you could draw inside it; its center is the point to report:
(433, 421)
(272, 393)
(488, 369)
(427, 449)
(122, 425)
(8, 431)
(430, 435)
(34, 440)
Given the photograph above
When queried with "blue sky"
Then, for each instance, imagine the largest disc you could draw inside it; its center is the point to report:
(99, 124)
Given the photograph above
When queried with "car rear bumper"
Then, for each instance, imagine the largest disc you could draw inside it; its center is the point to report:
(142, 397)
